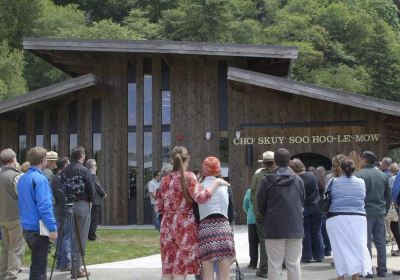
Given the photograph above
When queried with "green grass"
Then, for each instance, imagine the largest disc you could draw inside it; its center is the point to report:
(115, 245)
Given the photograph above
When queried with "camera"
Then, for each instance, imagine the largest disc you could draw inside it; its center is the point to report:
(73, 187)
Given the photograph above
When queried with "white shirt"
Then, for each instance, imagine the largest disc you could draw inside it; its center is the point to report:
(153, 186)
(219, 201)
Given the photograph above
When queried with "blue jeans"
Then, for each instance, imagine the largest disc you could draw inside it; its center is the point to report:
(64, 245)
(39, 246)
(325, 237)
(312, 243)
(377, 232)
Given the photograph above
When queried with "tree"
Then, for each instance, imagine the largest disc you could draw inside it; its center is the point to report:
(138, 22)
(12, 81)
(17, 19)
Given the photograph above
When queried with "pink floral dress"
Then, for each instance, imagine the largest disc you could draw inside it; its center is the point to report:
(178, 233)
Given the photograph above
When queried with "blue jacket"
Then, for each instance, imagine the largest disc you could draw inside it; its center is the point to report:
(248, 208)
(35, 201)
(396, 190)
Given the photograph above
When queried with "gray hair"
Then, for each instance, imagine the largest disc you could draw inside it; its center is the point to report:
(387, 161)
(90, 163)
(166, 169)
(7, 156)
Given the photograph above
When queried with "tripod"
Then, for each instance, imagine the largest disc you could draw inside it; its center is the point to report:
(70, 218)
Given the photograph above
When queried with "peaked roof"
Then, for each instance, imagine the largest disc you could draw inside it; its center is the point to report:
(314, 91)
(172, 47)
(48, 92)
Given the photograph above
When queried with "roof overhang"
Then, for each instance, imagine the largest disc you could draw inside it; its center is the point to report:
(79, 56)
(314, 91)
(165, 47)
(49, 92)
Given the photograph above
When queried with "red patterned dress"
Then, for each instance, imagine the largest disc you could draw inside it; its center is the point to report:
(178, 233)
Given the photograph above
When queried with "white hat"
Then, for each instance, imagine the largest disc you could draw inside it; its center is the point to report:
(52, 155)
(267, 156)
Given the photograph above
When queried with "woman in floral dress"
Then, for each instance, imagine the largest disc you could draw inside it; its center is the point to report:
(178, 234)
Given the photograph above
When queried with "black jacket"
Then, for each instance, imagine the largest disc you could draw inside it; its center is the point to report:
(77, 169)
(280, 200)
(311, 189)
(59, 197)
(99, 194)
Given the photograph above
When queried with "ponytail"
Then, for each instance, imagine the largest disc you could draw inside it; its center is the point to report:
(347, 166)
(179, 155)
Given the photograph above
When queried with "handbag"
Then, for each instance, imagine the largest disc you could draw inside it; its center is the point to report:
(327, 198)
(239, 274)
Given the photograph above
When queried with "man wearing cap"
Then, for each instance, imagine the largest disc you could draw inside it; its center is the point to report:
(377, 204)
(268, 167)
(52, 158)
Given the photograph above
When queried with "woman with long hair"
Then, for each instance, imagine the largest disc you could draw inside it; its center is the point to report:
(215, 230)
(347, 224)
(177, 194)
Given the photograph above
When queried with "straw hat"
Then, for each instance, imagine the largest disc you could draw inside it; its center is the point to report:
(267, 156)
(51, 155)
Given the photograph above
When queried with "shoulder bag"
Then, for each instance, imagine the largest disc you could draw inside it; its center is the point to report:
(327, 198)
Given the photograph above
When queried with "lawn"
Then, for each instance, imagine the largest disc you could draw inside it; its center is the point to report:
(116, 245)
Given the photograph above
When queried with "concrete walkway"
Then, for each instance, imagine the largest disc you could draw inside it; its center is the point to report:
(149, 268)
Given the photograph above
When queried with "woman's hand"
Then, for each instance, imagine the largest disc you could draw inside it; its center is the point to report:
(223, 182)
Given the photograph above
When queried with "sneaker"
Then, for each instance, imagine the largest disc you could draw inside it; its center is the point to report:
(381, 274)
(396, 272)
(396, 253)
(368, 276)
(251, 266)
(262, 274)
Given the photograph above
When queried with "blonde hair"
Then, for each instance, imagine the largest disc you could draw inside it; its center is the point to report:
(179, 155)
(25, 166)
(336, 160)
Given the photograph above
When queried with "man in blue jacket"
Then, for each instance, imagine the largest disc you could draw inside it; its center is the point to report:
(35, 203)
(396, 201)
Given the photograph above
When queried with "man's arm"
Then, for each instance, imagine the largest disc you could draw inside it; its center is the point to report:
(99, 189)
(388, 196)
(262, 196)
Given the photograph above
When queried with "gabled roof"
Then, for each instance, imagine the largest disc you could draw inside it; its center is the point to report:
(166, 47)
(313, 91)
(48, 92)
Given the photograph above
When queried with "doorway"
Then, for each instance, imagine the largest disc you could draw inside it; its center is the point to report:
(315, 160)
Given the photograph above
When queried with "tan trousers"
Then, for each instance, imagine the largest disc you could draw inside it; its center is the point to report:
(284, 249)
(13, 249)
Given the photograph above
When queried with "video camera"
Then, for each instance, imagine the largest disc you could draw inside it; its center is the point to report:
(73, 187)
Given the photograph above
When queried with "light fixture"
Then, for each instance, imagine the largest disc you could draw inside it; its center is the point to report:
(237, 134)
(208, 135)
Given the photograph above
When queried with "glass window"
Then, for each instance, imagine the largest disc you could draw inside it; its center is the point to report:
(21, 137)
(39, 127)
(54, 142)
(53, 130)
(73, 124)
(132, 164)
(148, 91)
(96, 128)
(166, 146)
(132, 149)
(165, 94)
(148, 156)
(22, 148)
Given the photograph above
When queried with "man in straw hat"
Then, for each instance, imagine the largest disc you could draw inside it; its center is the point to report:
(268, 167)
(52, 158)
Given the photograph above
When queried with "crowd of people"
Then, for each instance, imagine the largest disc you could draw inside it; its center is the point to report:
(37, 206)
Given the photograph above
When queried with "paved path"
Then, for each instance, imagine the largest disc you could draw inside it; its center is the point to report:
(149, 268)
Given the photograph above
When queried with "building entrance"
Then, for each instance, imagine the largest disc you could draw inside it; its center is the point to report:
(315, 160)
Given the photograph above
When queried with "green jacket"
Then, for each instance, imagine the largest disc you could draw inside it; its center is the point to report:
(255, 186)
(378, 195)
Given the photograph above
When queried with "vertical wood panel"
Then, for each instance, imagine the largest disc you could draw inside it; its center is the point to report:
(30, 128)
(46, 129)
(63, 133)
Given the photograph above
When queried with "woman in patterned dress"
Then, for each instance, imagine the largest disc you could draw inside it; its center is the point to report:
(215, 231)
(178, 233)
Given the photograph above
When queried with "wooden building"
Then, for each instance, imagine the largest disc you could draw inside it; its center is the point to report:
(129, 102)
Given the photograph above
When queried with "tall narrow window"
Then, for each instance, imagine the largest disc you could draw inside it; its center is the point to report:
(54, 130)
(22, 137)
(73, 124)
(147, 119)
(165, 112)
(39, 128)
(96, 127)
(132, 150)
(223, 116)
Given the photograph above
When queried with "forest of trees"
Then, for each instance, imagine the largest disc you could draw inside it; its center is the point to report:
(352, 45)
